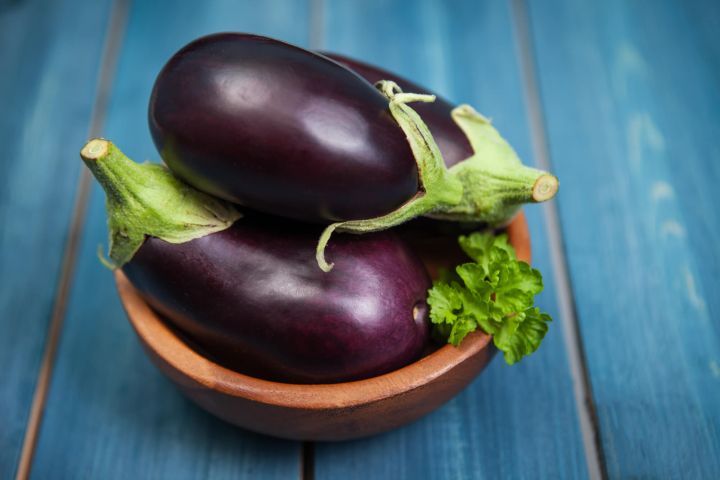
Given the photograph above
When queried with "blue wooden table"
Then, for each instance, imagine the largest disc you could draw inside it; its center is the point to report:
(620, 99)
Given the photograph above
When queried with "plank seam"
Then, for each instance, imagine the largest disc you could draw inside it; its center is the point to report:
(582, 387)
(108, 63)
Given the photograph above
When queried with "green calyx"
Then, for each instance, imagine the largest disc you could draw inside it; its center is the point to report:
(147, 200)
(489, 187)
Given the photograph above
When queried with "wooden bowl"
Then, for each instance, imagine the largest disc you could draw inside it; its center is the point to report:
(338, 411)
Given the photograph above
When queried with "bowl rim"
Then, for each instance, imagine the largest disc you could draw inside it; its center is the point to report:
(175, 352)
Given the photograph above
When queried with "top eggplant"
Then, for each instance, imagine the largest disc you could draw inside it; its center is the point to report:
(290, 132)
(280, 129)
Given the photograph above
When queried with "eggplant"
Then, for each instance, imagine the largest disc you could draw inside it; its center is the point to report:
(290, 132)
(281, 129)
(452, 142)
(253, 296)
(247, 291)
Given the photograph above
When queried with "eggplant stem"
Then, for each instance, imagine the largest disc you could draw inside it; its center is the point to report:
(147, 200)
(416, 206)
(489, 187)
(545, 188)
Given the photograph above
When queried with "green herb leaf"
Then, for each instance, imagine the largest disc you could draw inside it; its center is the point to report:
(514, 287)
(445, 303)
(474, 277)
(495, 294)
(521, 334)
(487, 249)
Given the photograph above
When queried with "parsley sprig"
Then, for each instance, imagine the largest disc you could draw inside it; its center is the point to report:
(495, 293)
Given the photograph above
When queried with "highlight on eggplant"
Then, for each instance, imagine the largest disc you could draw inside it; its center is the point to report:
(247, 291)
(290, 132)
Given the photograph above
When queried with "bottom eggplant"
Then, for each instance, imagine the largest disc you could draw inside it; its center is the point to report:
(248, 291)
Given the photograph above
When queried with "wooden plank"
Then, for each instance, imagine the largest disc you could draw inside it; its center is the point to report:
(48, 74)
(512, 422)
(109, 413)
(630, 92)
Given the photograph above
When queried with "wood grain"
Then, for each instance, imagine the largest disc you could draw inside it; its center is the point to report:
(47, 99)
(109, 413)
(512, 422)
(631, 101)
(630, 92)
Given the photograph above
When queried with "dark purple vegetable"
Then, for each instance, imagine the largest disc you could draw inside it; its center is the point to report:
(290, 132)
(253, 296)
(452, 142)
(281, 129)
(249, 293)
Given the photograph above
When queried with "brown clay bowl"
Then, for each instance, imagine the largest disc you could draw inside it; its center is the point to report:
(338, 411)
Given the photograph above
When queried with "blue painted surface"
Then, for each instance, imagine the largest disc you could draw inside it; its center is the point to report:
(631, 96)
(46, 98)
(110, 414)
(512, 422)
(631, 99)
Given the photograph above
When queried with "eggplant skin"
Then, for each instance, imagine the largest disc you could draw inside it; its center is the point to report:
(452, 142)
(253, 298)
(280, 129)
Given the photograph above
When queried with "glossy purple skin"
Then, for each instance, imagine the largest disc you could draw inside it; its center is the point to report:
(279, 129)
(253, 297)
(452, 142)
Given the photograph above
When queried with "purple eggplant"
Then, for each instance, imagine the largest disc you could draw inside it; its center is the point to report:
(452, 142)
(289, 132)
(248, 292)
(281, 129)
(253, 296)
